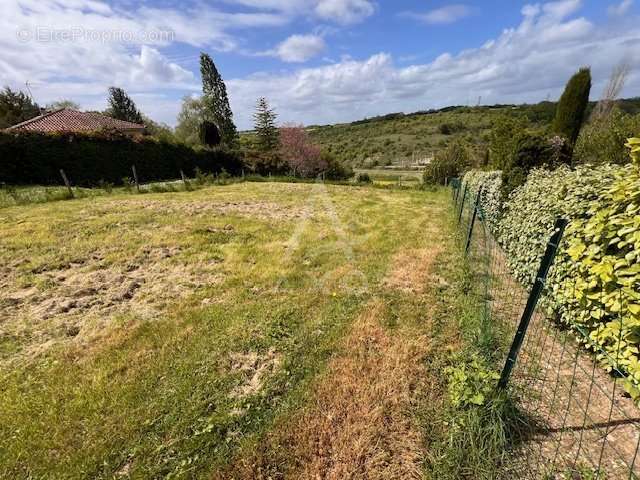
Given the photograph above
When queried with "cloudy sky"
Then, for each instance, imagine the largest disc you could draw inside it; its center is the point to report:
(317, 61)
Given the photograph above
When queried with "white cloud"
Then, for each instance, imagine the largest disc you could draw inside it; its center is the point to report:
(344, 11)
(300, 48)
(620, 9)
(523, 64)
(441, 16)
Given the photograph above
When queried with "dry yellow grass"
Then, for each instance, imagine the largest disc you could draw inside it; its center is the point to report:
(358, 424)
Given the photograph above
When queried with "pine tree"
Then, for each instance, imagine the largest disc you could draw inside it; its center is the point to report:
(216, 102)
(572, 106)
(121, 107)
(265, 125)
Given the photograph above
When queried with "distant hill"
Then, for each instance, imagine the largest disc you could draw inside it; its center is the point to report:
(401, 139)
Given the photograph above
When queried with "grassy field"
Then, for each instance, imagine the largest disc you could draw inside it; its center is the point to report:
(254, 330)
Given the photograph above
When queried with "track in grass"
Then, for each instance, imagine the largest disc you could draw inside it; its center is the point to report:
(173, 334)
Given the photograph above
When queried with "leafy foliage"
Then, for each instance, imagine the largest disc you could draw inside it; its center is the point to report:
(16, 107)
(363, 177)
(121, 107)
(503, 141)
(59, 104)
(594, 285)
(491, 194)
(446, 164)
(301, 154)
(599, 276)
(471, 383)
(190, 118)
(572, 106)
(602, 141)
(215, 101)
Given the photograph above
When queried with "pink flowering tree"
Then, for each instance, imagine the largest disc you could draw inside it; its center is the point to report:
(301, 154)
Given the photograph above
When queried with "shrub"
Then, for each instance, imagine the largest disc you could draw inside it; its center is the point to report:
(363, 177)
(502, 140)
(572, 106)
(602, 141)
(335, 170)
(447, 163)
(594, 281)
(491, 196)
(533, 151)
(599, 274)
(265, 163)
(529, 151)
(106, 186)
(32, 158)
(595, 277)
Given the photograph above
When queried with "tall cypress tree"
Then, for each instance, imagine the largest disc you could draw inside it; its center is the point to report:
(573, 105)
(265, 125)
(216, 101)
(121, 107)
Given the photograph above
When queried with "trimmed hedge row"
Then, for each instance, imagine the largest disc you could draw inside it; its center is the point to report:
(33, 158)
(595, 282)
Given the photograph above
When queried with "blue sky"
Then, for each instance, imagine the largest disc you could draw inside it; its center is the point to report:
(317, 61)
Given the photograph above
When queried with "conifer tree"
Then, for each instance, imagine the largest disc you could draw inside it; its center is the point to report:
(215, 101)
(121, 107)
(572, 106)
(268, 136)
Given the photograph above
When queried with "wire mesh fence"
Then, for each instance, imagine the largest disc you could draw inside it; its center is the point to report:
(569, 387)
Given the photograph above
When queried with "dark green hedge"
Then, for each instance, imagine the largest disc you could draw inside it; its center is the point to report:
(32, 158)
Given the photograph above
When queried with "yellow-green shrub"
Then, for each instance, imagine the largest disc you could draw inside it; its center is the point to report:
(594, 286)
(597, 281)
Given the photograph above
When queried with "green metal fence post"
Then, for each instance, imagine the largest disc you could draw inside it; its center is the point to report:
(464, 197)
(534, 296)
(473, 221)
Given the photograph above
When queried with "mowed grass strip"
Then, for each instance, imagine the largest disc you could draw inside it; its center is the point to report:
(205, 318)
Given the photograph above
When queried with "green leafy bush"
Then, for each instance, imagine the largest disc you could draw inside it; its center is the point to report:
(530, 151)
(594, 286)
(491, 195)
(598, 277)
(363, 177)
(447, 163)
(603, 141)
(335, 170)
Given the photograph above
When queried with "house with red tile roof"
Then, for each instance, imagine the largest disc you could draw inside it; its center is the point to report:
(67, 120)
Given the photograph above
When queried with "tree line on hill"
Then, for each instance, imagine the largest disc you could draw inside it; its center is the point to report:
(579, 132)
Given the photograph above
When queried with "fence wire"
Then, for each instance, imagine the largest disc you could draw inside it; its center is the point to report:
(570, 390)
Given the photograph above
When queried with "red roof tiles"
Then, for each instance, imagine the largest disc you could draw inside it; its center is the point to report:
(67, 120)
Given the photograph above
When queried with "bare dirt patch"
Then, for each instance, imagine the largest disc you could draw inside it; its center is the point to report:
(82, 299)
(255, 369)
(358, 423)
(410, 270)
(262, 210)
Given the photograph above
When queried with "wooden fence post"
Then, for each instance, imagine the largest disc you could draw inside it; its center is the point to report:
(135, 177)
(66, 182)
